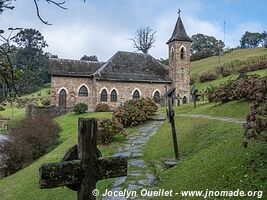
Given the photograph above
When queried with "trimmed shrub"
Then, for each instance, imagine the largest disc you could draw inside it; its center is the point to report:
(102, 107)
(80, 108)
(46, 102)
(109, 131)
(208, 76)
(29, 140)
(135, 112)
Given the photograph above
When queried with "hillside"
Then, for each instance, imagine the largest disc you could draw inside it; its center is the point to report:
(208, 64)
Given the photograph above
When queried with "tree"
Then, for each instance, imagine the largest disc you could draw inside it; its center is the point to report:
(8, 74)
(251, 40)
(89, 58)
(204, 46)
(144, 39)
(31, 60)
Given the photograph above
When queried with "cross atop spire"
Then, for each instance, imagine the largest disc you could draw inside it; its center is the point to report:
(179, 11)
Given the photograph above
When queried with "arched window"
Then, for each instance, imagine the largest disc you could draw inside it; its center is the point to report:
(184, 100)
(182, 53)
(156, 97)
(113, 96)
(62, 99)
(83, 91)
(136, 94)
(104, 96)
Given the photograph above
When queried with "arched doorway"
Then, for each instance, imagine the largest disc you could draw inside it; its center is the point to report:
(184, 100)
(62, 99)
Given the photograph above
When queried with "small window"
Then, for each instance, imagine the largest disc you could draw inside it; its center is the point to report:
(172, 53)
(136, 94)
(113, 96)
(182, 53)
(83, 91)
(156, 97)
(104, 96)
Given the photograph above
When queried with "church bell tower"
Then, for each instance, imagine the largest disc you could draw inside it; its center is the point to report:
(179, 61)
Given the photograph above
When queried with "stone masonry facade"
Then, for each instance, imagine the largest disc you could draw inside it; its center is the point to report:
(124, 91)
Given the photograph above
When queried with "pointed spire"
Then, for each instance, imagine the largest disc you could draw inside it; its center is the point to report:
(179, 33)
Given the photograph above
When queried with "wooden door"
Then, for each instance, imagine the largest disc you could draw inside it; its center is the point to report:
(63, 99)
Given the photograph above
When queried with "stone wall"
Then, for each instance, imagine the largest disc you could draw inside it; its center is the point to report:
(72, 86)
(125, 90)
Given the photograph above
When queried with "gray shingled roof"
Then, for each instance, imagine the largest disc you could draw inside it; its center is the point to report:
(128, 66)
(65, 67)
(179, 33)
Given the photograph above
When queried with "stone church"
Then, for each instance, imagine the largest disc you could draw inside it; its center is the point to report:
(125, 76)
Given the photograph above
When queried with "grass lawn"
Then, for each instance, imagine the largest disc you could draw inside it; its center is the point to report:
(233, 109)
(24, 185)
(211, 157)
(209, 64)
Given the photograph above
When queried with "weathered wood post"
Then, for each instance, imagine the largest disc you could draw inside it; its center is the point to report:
(193, 93)
(87, 154)
(81, 167)
(171, 114)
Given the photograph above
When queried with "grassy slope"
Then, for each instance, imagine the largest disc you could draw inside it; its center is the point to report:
(212, 156)
(211, 63)
(24, 184)
(234, 109)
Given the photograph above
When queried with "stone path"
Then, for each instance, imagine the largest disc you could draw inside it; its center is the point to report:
(139, 175)
(225, 119)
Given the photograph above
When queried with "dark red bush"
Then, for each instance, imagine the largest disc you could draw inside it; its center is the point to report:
(29, 140)
(208, 76)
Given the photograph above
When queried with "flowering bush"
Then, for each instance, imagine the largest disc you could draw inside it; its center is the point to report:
(135, 112)
(102, 107)
(109, 131)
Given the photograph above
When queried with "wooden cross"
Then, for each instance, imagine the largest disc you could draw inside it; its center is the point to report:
(179, 11)
(195, 95)
(81, 167)
(170, 114)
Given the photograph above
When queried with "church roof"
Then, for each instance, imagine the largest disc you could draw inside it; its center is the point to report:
(65, 67)
(179, 33)
(129, 66)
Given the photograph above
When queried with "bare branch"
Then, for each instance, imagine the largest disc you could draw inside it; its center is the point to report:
(38, 13)
(59, 4)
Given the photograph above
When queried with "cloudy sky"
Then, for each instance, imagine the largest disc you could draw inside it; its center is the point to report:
(102, 27)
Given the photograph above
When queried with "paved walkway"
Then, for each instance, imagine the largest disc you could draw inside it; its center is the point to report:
(139, 175)
(225, 119)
